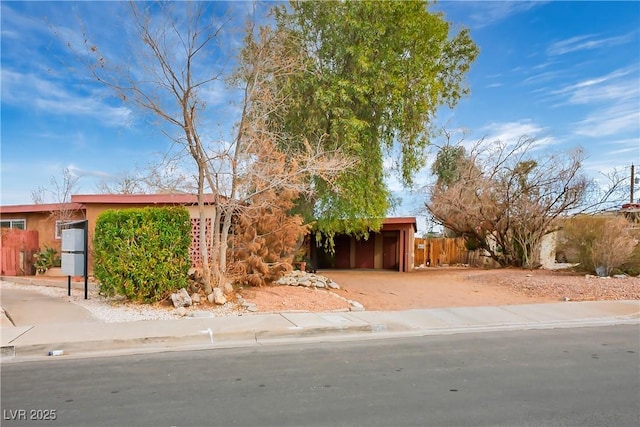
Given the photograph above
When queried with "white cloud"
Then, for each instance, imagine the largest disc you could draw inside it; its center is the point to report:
(31, 91)
(510, 132)
(610, 120)
(484, 14)
(614, 100)
(618, 85)
(585, 42)
(76, 171)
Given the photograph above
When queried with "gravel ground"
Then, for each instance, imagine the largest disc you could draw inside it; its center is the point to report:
(111, 310)
(566, 286)
(479, 287)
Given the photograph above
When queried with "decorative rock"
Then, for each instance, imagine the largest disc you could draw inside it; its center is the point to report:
(195, 298)
(355, 306)
(309, 280)
(210, 298)
(181, 298)
(218, 297)
(180, 311)
(620, 276)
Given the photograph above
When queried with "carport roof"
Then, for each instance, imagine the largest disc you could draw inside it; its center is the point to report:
(405, 220)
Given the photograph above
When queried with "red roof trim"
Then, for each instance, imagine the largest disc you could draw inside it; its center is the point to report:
(165, 199)
(410, 220)
(42, 207)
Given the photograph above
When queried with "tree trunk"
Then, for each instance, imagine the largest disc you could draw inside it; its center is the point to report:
(204, 252)
(224, 238)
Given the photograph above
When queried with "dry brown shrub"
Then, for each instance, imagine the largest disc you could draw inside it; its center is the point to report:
(598, 241)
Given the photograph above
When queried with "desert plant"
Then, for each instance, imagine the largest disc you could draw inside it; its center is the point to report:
(46, 259)
(598, 243)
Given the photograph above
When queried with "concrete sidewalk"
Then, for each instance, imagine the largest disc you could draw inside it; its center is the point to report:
(46, 324)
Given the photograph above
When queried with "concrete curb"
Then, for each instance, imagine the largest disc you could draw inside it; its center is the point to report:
(203, 340)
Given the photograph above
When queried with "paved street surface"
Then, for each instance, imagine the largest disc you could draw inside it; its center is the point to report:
(570, 377)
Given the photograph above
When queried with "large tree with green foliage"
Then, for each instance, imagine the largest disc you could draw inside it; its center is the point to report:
(376, 74)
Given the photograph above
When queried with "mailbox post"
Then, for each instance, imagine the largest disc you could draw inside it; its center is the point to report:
(75, 252)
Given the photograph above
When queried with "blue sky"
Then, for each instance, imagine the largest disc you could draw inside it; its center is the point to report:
(566, 73)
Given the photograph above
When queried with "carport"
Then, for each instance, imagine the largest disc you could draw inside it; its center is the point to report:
(391, 248)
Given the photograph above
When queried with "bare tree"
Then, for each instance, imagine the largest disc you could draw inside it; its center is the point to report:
(179, 59)
(62, 190)
(507, 197)
(261, 172)
(166, 177)
(39, 195)
(124, 184)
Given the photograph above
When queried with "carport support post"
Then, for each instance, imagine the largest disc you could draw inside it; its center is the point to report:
(68, 285)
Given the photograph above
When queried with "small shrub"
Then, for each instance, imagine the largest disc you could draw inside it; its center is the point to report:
(598, 241)
(142, 254)
(631, 266)
(46, 259)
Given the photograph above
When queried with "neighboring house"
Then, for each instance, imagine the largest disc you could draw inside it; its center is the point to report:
(392, 248)
(42, 217)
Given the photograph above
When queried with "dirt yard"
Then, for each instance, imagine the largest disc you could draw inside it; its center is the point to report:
(443, 287)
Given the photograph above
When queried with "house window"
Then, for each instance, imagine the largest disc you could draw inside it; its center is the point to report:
(59, 227)
(20, 224)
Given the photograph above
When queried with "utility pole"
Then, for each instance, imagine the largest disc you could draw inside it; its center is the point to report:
(632, 182)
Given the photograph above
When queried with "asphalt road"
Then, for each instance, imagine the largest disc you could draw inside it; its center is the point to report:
(563, 377)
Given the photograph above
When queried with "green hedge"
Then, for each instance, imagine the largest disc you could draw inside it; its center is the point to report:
(142, 254)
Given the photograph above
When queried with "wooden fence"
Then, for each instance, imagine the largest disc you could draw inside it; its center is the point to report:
(16, 255)
(437, 251)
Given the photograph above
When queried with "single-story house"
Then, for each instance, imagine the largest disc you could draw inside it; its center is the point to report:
(391, 248)
(44, 218)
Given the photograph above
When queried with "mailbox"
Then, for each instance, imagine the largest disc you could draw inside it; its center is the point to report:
(72, 264)
(73, 252)
(73, 240)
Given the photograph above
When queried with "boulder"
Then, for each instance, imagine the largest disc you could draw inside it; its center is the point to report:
(181, 298)
(355, 306)
(218, 297)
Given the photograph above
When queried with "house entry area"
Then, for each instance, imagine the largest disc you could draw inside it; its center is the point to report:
(389, 249)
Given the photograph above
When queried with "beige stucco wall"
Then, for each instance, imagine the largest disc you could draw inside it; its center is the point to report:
(44, 224)
(548, 250)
